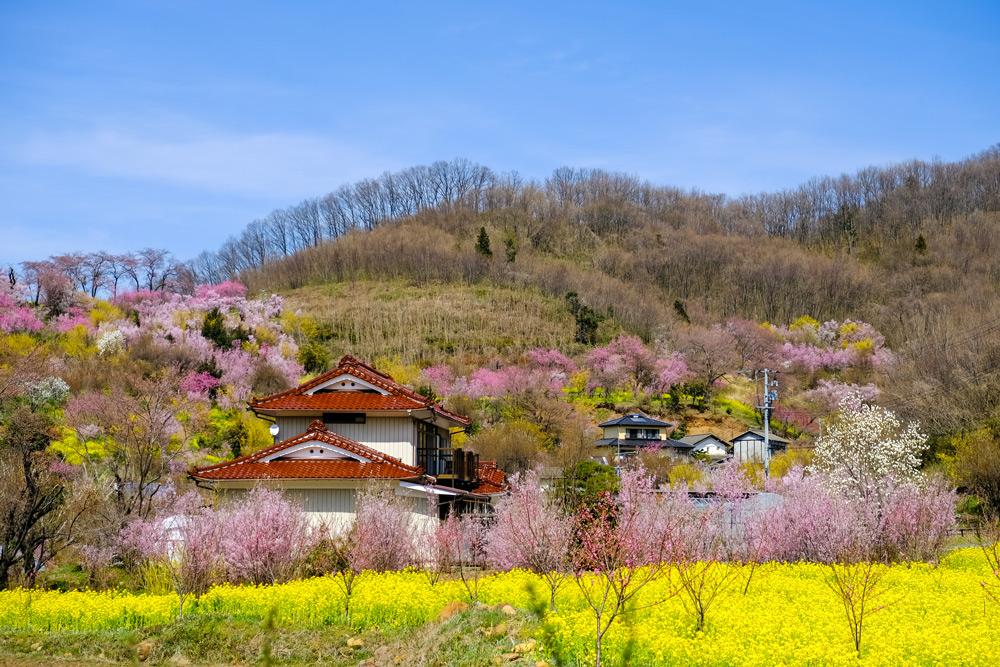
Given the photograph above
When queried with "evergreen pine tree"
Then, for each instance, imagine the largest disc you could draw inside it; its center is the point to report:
(510, 248)
(483, 243)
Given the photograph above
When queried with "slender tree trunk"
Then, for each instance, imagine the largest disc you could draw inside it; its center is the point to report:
(597, 646)
(597, 643)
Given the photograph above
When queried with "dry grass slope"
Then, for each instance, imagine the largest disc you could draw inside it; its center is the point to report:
(422, 323)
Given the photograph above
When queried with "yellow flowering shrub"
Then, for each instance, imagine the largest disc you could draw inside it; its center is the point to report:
(302, 327)
(17, 344)
(686, 473)
(104, 311)
(864, 345)
(69, 447)
(804, 322)
(76, 342)
(937, 615)
(400, 371)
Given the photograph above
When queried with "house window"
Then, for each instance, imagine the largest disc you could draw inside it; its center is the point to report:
(343, 418)
(434, 454)
(642, 434)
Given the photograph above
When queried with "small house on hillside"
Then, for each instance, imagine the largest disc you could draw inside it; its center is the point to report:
(749, 446)
(349, 428)
(627, 435)
(708, 445)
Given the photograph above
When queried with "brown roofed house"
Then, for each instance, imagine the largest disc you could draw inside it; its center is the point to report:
(348, 428)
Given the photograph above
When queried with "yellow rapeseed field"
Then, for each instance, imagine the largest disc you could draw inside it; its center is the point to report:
(936, 615)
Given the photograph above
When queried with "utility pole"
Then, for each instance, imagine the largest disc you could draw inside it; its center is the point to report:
(770, 396)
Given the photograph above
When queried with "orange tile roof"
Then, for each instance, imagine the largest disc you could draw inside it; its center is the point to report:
(306, 469)
(341, 400)
(491, 478)
(398, 398)
(251, 466)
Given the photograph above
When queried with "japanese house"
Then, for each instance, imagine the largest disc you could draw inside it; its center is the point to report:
(351, 427)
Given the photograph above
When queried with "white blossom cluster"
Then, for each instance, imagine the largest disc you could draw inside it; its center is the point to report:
(111, 341)
(868, 449)
(48, 391)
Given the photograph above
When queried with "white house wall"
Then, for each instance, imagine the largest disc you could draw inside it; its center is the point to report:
(334, 509)
(289, 427)
(749, 450)
(395, 436)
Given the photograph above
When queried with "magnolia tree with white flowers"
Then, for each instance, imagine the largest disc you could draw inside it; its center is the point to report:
(868, 450)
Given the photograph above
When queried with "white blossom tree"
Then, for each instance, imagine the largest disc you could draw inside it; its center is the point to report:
(867, 450)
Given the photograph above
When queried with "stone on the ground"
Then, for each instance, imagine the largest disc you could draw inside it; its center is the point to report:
(526, 647)
(452, 608)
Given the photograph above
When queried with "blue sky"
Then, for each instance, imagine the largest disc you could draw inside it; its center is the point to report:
(173, 124)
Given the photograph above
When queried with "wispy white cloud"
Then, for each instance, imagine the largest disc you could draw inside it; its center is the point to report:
(266, 164)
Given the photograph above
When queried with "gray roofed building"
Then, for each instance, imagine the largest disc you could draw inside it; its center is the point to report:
(707, 444)
(634, 419)
(747, 435)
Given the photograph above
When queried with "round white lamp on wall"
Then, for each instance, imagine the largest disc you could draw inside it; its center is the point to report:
(274, 431)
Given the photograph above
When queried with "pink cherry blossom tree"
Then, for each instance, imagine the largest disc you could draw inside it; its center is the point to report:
(915, 520)
(627, 363)
(266, 537)
(185, 539)
(623, 544)
(383, 535)
(531, 532)
(381, 538)
(15, 317)
(460, 544)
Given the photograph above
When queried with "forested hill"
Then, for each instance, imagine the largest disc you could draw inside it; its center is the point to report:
(542, 309)
(913, 248)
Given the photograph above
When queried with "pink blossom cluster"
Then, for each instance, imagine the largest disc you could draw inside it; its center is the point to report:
(547, 370)
(804, 520)
(509, 380)
(529, 531)
(230, 289)
(75, 317)
(383, 536)
(829, 394)
(639, 526)
(260, 539)
(265, 537)
(555, 362)
(15, 317)
(812, 358)
(459, 541)
(440, 379)
(833, 346)
(815, 523)
(627, 363)
(175, 321)
(197, 385)
(130, 298)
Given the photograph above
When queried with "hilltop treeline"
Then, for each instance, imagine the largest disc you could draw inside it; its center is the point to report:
(913, 248)
(874, 204)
